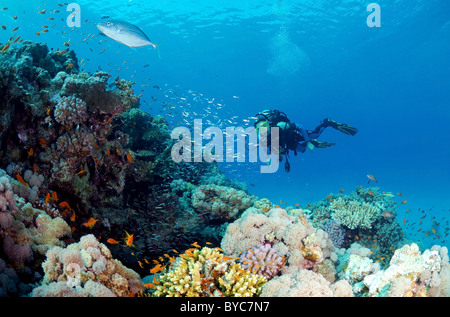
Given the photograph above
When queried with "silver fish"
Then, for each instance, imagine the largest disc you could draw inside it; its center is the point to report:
(125, 33)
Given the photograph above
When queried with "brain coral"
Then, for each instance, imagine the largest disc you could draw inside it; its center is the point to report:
(88, 269)
(294, 238)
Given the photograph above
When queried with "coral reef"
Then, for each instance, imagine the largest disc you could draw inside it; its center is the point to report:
(207, 272)
(86, 268)
(294, 238)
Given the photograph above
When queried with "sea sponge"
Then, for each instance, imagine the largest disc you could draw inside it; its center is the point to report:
(88, 268)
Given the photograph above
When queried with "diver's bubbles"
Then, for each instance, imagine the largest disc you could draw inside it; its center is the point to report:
(287, 58)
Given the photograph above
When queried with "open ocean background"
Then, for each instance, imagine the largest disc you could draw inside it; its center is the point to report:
(310, 59)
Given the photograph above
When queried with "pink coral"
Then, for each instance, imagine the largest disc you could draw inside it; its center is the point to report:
(263, 260)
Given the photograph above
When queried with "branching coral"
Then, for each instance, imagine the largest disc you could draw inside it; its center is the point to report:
(354, 214)
(207, 272)
(70, 111)
(88, 268)
(262, 260)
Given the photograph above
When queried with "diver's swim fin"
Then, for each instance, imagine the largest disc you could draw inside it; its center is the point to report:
(344, 128)
(322, 145)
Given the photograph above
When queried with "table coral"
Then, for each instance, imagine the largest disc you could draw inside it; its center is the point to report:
(87, 268)
(207, 272)
(354, 214)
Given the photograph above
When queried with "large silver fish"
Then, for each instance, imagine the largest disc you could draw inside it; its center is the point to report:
(125, 33)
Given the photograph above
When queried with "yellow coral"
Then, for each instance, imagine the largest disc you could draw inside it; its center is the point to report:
(207, 272)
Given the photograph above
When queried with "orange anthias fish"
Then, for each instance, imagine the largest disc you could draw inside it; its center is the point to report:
(404, 202)
(112, 241)
(129, 240)
(129, 158)
(47, 199)
(30, 152)
(342, 190)
(20, 179)
(55, 196)
(65, 204)
(90, 223)
(371, 178)
(82, 172)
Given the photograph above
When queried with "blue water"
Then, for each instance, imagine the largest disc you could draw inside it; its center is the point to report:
(310, 59)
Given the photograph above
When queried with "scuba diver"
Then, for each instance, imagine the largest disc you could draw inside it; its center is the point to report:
(293, 137)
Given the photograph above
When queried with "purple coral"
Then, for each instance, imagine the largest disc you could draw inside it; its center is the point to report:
(263, 260)
(336, 233)
(71, 111)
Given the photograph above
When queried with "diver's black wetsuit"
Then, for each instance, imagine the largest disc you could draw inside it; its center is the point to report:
(293, 137)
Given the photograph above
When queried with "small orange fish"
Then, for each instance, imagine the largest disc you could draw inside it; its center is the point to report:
(433, 230)
(35, 168)
(408, 210)
(55, 196)
(67, 44)
(140, 264)
(400, 194)
(404, 221)
(15, 29)
(44, 31)
(69, 66)
(30, 152)
(96, 145)
(65, 204)
(195, 244)
(38, 33)
(404, 202)
(112, 241)
(97, 162)
(42, 141)
(42, 11)
(20, 179)
(150, 285)
(5, 48)
(72, 217)
(297, 205)
(129, 158)
(371, 178)
(73, 229)
(90, 223)
(47, 198)
(342, 190)
(82, 172)
(108, 152)
(371, 193)
(129, 240)
(328, 197)
(118, 151)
